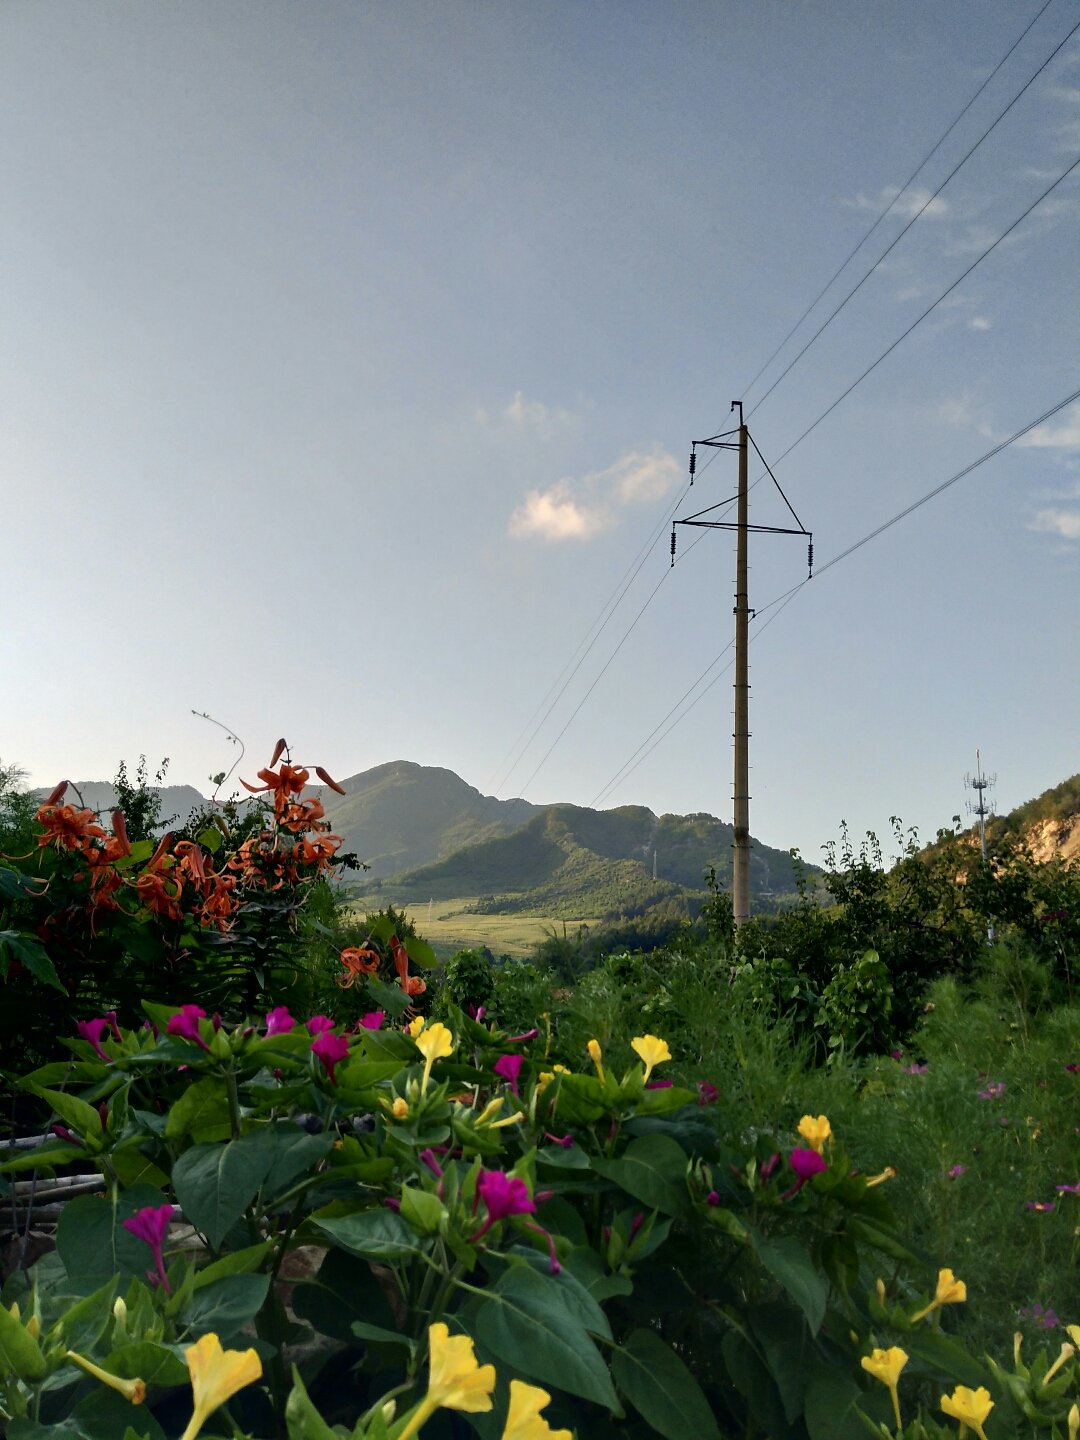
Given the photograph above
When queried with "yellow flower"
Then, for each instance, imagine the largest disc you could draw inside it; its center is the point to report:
(889, 1173)
(815, 1132)
(1073, 1332)
(1074, 1422)
(455, 1381)
(950, 1291)
(523, 1419)
(133, 1390)
(970, 1407)
(885, 1365)
(1066, 1353)
(434, 1043)
(596, 1055)
(650, 1051)
(216, 1375)
(400, 1108)
(415, 1026)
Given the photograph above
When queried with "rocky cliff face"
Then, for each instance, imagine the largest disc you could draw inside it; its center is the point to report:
(1055, 839)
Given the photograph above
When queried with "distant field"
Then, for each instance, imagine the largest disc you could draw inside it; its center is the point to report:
(443, 924)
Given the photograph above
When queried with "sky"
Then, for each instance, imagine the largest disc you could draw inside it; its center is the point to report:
(351, 356)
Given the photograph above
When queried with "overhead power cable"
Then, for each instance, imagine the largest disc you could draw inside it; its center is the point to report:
(664, 728)
(922, 209)
(896, 198)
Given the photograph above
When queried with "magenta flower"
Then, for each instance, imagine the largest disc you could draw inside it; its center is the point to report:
(659, 1084)
(475, 1012)
(279, 1021)
(1074, 1068)
(1068, 1189)
(914, 1069)
(151, 1225)
(431, 1160)
(503, 1195)
(993, 1092)
(1041, 1206)
(707, 1093)
(185, 1023)
(373, 1019)
(806, 1164)
(92, 1030)
(564, 1140)
(318, 1023)
(712, 1198)
(955, 1171)
(768, 1166)
(1043, 1316)
(521, 1039)
(331, 1050)
(508, 1068)
(63, 1133)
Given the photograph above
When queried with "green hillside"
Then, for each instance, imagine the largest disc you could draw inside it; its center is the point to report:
(401, 815)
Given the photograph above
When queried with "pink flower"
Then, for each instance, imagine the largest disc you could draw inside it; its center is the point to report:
(318, 1023)
(373, 1019)
(508, 1068)
(659, 1084)
(1068, 1189)
(1042, 1206)
(331, 1050)
(503, 1195)
(185, 1023)
(279, 1021)
(806, 1164)
(1074, 1068)
(707, 1093)
(92, 1030)
(431, 1160)
(768, 1166)
(521, 1039)
(151, 1225)
(955, 1171)
(712, 1198)
(914, 1069)
(564, 1140)
(475, 1012)
(993, 1092)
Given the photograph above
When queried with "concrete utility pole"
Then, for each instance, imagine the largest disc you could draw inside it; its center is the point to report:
(740, 874)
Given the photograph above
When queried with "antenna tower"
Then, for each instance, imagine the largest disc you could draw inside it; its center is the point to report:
(980, 783)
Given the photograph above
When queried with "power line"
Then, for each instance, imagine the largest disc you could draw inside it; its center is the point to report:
(641, 753)
(893, 202)
(892, 245)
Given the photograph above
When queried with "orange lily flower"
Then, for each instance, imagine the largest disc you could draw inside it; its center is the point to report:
(68, 828)
(411, 984)
(289, 780)
(303, 816)
(357, 962)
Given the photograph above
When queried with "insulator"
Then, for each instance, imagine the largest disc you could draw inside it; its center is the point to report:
(810, 556)
(693, 465)
(673, 545)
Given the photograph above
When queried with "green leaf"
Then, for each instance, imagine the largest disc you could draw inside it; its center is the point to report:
(752, 1380)
(20, 1354)
(216, 1183)
(294, 1151)
(421, 953)
(527, 1322)
(831, 1408)
(134, 1168)
(652, 1170)
(30, 953)
(788, 1262)
(661, 1388)
(238, 1262)
(342, 1292)
(302, 1419)
(946, 1355)
(226, 1305)
(83, 1323)
(145, 1360)
(381, 1336)
(91, 1239)
(202, 1112)
(376, 1234)
(421, 1210)
(81, 1117)
(46, 1156)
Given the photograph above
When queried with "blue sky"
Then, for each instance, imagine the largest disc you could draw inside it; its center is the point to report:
(350, 354)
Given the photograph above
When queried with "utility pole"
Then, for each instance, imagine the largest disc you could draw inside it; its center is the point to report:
(740, 873)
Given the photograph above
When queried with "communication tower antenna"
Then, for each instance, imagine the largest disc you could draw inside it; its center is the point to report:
(980, 783)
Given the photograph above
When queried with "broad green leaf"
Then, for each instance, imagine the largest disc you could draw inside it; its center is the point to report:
(381, 1336)
(751, 1378)
(946, 1355)
(134, 1168)
(81, 1325)
(81, 1117)
(216, 1183)
(342, 1292)
(202, 1112)
(46, 1156)
(527, 1322)
(421, 953)
(652, 1170)
(788, 1263)
(376, 1234)
(146, 1360)
(92, 1241)
(421, 1210)
(238, 1262)
(20, 1354)
(665, 1101)
(789, 1352)
(661, 1388)
(587, 1267)
(226, 1305)
(103, 1414)
(574, 1294)
(31, 954)
(831, 1408)
(294, 1151)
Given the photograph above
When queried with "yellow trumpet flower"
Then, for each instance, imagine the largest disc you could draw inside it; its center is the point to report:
(133, 1390)
(885, 1365)
(1066, 1353)
(216, 1376)
(434, 1043)
(650, 1051)
(970, 1407)
(950, 1291)
(523, 1419)
(596, 1056)
(815, 1132)
(455, 1381)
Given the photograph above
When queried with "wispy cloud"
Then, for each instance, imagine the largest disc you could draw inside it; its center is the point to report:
(1062, 434)
(1063, 523)
(578, 508)
(526, 416)
(980, 322)
(910, 203)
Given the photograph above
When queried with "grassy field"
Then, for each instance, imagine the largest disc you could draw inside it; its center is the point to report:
(446, 925)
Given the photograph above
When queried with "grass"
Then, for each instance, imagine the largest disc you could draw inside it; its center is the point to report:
(448, 926)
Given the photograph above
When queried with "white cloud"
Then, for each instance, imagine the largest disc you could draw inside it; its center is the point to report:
(909, 204)
(1063, 434)
(524, 415)
(1065, 523)
(554, 514)
(980, 322)
(579, 507)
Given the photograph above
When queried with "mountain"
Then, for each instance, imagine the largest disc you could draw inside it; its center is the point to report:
(569, 861)
(177, 801)
(1049, 825)
(401, 815)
